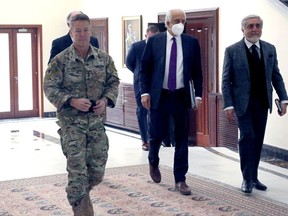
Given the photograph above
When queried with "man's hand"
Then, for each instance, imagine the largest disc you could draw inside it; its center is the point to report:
(230, 115)
(145, 100)
(81, 104)
(100, 106)
(198, 103)
(283, 109)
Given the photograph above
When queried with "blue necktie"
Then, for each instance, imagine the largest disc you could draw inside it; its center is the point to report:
(172, 66)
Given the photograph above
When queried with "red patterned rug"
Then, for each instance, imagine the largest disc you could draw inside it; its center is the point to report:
(129, 191)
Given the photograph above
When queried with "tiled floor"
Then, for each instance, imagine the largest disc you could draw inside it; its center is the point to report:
(30, 148)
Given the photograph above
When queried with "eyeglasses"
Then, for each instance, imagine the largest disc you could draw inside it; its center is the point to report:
(251, 26)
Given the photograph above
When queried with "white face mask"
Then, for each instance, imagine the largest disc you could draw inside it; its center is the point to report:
(177, 29)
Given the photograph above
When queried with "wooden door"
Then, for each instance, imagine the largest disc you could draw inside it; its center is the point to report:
(19, 86)
(100, 31)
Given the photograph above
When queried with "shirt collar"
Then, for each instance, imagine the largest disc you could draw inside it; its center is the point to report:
(169, 37)
(75, 55)
(249, 44)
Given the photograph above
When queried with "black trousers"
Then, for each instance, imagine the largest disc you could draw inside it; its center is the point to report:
(252, 126)
(142, 118)
(171, 104)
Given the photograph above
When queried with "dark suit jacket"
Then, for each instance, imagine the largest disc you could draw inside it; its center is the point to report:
(133, 62)
(236, 76)
(61, 43)
(153, 67)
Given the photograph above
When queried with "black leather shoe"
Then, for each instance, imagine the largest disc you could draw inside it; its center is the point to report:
(246, 186)
(155, 174)
(259, 186)
(183, 188)
(145, 146)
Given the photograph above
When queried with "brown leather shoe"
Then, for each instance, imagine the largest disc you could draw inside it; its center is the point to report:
(183, 188)
(155, 174)
(145, 146)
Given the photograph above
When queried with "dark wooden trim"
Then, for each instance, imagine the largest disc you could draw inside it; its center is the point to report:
(100, 31)
(36, 67)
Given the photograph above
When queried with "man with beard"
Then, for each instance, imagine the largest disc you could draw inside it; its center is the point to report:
(250, 70)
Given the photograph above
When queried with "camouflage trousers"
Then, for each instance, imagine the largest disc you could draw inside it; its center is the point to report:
(85, 146)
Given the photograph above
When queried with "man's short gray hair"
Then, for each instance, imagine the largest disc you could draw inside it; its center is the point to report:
(252, 16)
(168, 16)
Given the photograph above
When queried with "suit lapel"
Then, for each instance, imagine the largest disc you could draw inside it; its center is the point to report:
(186, 75)
(183, 41)
(162, 44)
(243, 60)
(266, 55)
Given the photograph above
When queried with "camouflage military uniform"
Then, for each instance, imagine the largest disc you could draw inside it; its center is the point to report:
(83, 138)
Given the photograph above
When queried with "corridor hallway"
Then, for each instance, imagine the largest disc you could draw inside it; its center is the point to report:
(30, 148)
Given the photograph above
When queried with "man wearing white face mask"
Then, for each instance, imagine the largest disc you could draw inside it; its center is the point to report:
(170, 60)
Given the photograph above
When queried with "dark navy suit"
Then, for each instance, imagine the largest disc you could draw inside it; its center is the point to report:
(165, 103)
(248, 89)
(61, 43)
(133, 61)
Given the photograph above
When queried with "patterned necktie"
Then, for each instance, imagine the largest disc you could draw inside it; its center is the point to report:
(172, 66)
(255, 53)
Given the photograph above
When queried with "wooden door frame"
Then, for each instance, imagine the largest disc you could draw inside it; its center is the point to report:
(100, 31)
(39, 61)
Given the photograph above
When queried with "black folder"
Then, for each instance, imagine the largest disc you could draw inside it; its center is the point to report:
(192, 95)
(278, 104)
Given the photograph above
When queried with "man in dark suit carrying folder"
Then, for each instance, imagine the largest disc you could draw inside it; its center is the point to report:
(250, 72)
(170, 60)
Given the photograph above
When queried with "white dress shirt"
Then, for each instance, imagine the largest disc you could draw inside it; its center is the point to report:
(179, 67)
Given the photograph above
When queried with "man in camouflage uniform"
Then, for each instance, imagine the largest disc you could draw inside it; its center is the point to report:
(80, 82)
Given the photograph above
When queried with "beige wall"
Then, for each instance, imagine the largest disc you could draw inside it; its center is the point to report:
(52, 14)
(274, 14)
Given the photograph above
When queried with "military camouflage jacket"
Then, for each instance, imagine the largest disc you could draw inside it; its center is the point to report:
(69, 75)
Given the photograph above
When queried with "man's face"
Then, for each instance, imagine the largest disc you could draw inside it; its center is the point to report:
(177, 17)
(80, 33)
(253, 30)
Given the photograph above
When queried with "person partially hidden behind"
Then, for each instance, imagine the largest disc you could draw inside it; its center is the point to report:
(61, 43)
(250, 70)
(166, 93)
(80, 82)
(133, 62)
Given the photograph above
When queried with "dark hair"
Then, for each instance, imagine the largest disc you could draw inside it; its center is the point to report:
(153, 28)
(79, 17)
